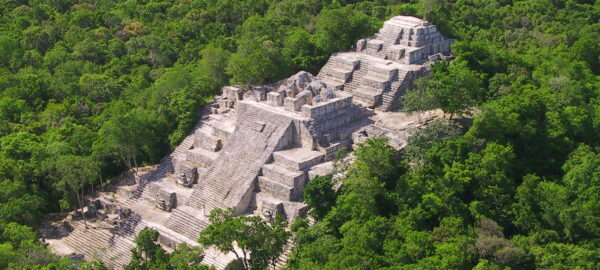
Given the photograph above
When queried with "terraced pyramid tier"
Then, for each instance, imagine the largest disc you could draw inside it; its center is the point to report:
(385, 65)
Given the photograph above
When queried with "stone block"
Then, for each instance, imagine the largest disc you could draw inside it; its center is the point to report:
(335, 122)
(207, 141)
(124, 192)
(327, 94)
(322, 169)
(298, 159)
(361, 45)
(376, 82)
(223, 110)
(169, 241)
(374, 45)
(293, 104)
(200, 156)
(305, 97)
(318, 111)
(221, 133)
(276, 189)
(299, 80)
(340, 74)
(270, 209)
(296, 179)
(385, 71)
(187, 174)
(345, 62)
(233, 93)
(294, 210)
(275, 99)
(257, 125)
(225, 104)
(162, 199)
(333, 83)
(260, 93)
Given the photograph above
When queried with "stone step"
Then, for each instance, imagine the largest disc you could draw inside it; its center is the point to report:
(280, 173)
(222, 127)
(375, 82)
(277, 189)
(344, 62)
(187, 143)
(395, 89)
(170, 239)
(201, 156)
(383, 71)
(327, 66)
(357, 77)
(282, 259)
(298, 159)
(207, 141)
(232, 177)
(115, 250)
(367, 95)
(333, 83)
(219, 262)
(338, 73)
(292, 210)
(185, 221)
(322, 169)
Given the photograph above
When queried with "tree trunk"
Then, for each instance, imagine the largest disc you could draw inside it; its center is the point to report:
(134, 163)
(245, 260)
(81, 206)
(451, 114)
(239, 259)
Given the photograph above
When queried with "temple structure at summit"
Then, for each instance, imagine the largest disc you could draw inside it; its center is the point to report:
(386, 64)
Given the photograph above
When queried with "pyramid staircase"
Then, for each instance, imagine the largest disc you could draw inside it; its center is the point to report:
(338, 71)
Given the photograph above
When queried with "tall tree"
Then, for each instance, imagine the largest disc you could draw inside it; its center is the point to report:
(319, 196)
(452, 87)
(74, 174)
(148, 254)
(261, 243)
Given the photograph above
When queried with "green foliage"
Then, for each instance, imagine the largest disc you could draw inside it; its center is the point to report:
(117, 84)
(147, 253)
(319, 196)
(260, 243)
(90, 89)
(453, 88)
(417, 144)
(7, 255)
(186, 257)
(337, 29)
(74, 173)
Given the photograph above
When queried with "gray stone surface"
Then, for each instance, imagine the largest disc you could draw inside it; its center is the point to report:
(256, 149)
(187, 174)
(230, 179)
(163, 200)
(385, 65)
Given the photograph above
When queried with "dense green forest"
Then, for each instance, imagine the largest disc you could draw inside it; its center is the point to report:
(90, 89)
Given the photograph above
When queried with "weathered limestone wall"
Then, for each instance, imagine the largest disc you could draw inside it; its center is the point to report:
(406, 40)
(230, 180)
(384, 65)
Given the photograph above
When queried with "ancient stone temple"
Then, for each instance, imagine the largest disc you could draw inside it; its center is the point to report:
(255, 149)
(384, 65)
